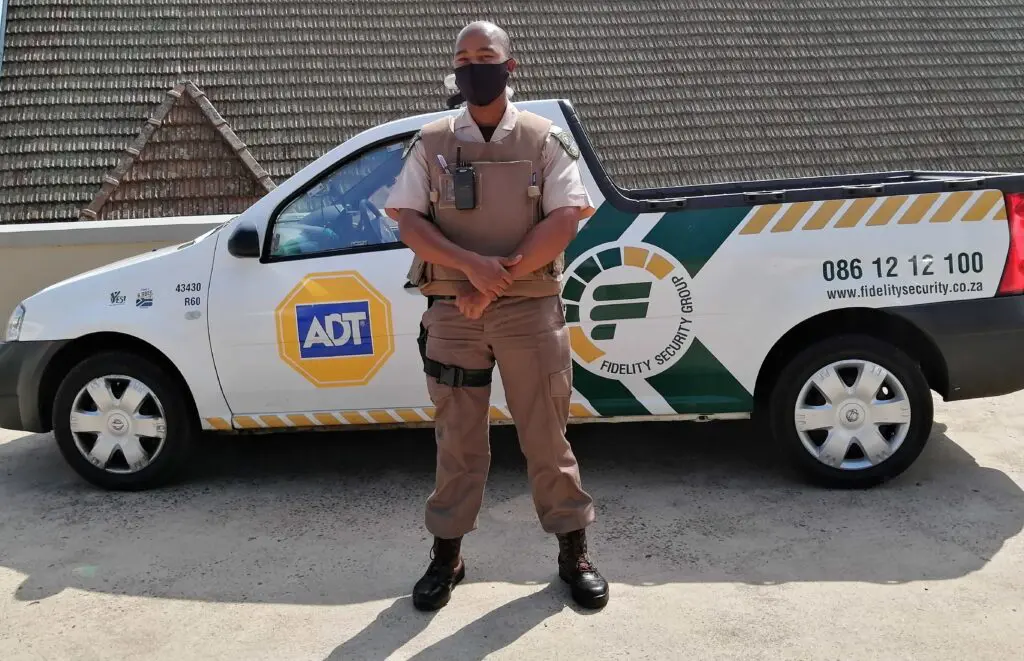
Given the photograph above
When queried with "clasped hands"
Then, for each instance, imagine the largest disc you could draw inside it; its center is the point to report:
(489, 277)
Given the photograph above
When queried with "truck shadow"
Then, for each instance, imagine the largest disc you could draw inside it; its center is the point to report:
(337, 518)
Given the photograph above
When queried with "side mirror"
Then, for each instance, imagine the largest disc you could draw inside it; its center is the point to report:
(244, 241)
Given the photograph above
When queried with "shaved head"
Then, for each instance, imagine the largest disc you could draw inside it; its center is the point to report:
(482, 63)
(484, 32)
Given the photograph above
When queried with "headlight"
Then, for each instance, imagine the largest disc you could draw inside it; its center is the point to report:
(14, 325)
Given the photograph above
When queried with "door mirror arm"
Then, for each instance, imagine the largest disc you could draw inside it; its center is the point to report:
(244, 241)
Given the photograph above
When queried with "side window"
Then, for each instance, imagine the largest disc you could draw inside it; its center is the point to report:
(344, 209)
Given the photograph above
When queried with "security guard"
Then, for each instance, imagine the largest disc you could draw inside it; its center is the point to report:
(488, 200)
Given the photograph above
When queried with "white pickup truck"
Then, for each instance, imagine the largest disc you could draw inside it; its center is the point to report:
(834, 306)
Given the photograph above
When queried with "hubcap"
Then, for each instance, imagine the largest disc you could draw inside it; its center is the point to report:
(852, 415)
(118, 424)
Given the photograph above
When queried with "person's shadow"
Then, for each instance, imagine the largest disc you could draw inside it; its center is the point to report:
(399, 623)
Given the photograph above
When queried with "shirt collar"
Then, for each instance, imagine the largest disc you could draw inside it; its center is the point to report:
(464, 121)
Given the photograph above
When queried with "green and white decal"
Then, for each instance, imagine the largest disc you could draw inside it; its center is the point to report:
(634, 313)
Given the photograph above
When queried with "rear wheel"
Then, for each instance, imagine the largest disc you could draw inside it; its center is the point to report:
(122, 423)
(851, 411)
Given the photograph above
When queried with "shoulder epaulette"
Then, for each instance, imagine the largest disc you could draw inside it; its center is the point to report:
(565, 139)
(412, 143)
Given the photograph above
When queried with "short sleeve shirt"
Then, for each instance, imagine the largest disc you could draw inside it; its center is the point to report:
(563, 184)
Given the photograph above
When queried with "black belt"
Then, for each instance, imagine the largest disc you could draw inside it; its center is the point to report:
(449, 375)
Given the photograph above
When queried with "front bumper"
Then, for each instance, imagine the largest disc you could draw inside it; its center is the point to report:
(22, 365)
(981, 340)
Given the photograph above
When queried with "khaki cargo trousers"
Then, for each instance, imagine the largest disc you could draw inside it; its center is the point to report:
(528, 340)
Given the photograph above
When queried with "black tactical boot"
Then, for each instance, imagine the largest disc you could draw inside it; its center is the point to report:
(445, 571)
(589, 589)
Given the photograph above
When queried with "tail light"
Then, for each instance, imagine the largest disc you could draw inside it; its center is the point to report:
(1012, 281)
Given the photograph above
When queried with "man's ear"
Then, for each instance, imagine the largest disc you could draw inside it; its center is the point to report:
(512, 64)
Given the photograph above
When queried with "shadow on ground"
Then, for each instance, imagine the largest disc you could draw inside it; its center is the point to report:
(337, 518)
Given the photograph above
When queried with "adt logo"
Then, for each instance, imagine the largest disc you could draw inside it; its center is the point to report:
(328, 330)
(335, 329)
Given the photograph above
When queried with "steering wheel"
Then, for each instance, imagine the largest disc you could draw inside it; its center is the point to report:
(370, 217)
(369, 209)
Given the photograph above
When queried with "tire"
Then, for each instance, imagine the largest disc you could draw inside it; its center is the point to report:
(902, 401)
(124, 427)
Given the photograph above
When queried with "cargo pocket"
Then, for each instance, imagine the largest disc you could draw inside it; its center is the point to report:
(561, 383)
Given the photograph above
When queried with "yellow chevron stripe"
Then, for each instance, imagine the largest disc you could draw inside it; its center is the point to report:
(219, 423)
(950, 207)
(381, 416)
(273, 421)
(353, 417)
(298, 420)
(578, 410)
(824, 214)
(855, 212)
(498, 414)
(246, 422)
(326, 419)
(760, 219)
(409, 415)
(792, 216)
(919, 208)
(982, 207)
(989, 202)
(887, 210)
(356, 417)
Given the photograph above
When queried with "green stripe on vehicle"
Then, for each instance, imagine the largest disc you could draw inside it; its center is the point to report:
(607, 396)
(692, 237)
(699, 383)
(607, 224)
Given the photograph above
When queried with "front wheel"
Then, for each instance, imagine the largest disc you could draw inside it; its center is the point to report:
(851, 411)
(122, 423)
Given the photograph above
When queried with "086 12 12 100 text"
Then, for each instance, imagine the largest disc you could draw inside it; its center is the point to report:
(890, 266)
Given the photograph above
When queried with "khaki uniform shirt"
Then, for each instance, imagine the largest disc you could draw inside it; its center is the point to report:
(563, 185)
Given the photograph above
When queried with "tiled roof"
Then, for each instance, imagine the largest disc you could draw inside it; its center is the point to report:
(685, 91)
(186, 155)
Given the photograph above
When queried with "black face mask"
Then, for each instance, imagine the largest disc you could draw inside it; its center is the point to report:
(481, 83)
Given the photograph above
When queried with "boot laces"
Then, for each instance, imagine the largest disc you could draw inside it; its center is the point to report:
(442, 564)
(577, 551)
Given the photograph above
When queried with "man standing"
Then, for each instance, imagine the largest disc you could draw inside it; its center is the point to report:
(488, 200)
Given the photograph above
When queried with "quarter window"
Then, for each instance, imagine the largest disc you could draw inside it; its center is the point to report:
(343, 210)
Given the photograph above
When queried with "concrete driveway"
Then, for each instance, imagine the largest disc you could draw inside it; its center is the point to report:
(306, 547)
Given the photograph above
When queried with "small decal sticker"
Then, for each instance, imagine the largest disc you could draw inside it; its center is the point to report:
(144, 299)
(117, 298)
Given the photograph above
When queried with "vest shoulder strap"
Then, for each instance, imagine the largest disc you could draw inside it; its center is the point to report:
(433, 132)
(533, 125)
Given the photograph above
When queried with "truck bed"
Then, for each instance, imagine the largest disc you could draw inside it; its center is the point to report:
(803, 189)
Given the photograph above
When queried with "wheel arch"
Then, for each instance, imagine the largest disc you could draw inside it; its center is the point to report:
(85, 346)
(875, 323)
